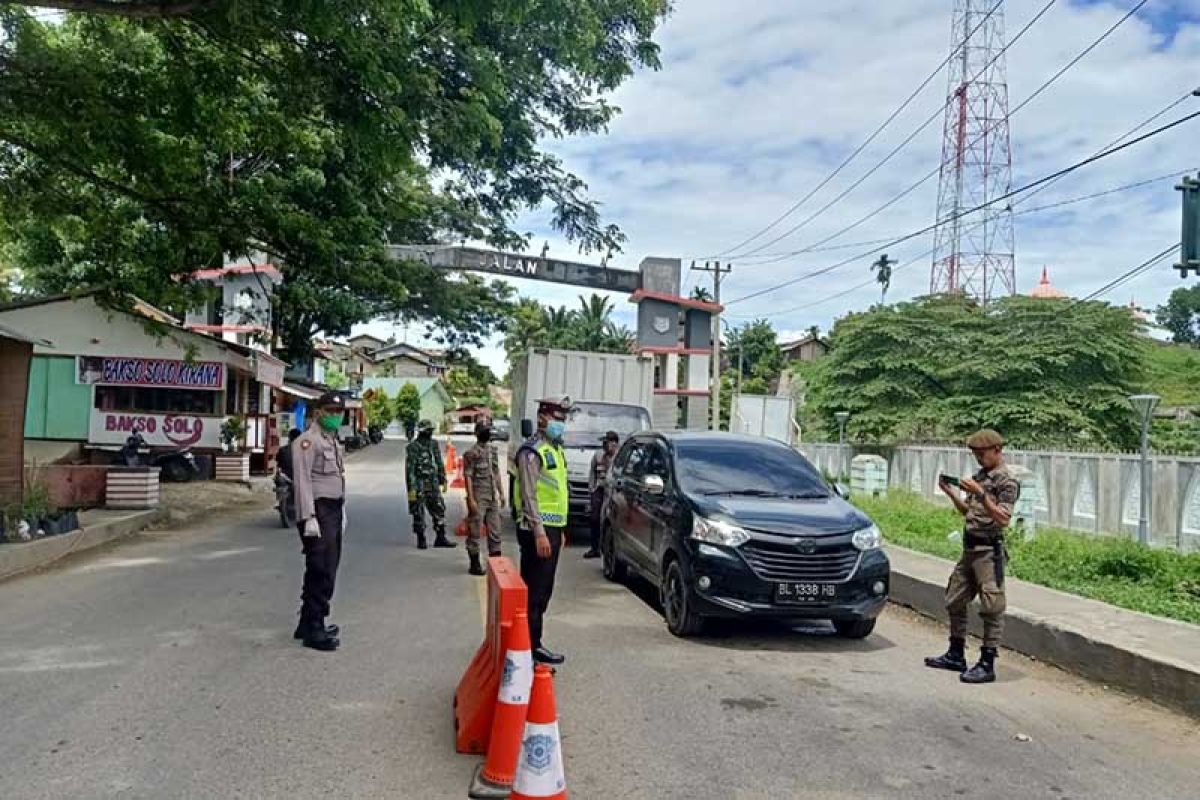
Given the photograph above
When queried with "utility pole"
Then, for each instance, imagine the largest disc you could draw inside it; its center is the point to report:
(1190, 256)
(718, 273)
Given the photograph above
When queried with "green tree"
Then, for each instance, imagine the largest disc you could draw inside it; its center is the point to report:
(758, 347)
(335, 378)
(1181, 315)
(408, 405)
(379, 409)
(147, 140)
(1043, 372)
(590, 328)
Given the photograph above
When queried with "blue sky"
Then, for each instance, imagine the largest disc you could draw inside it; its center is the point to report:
(756, 102)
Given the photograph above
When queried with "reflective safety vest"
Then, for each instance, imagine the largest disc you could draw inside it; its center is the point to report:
(553, 492)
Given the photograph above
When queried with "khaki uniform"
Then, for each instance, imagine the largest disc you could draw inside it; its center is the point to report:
(319, 478)
(481, 468)
(980, 570)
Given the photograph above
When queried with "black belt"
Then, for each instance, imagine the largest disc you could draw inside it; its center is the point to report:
(975, 540)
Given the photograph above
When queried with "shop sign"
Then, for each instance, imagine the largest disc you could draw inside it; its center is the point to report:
(159, 430)
(268, 372)
(152, 372)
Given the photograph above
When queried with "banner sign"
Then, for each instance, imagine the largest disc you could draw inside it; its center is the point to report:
(159, 430)
(152, 372)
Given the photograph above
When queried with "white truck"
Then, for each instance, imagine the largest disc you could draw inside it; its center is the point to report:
(610, 392)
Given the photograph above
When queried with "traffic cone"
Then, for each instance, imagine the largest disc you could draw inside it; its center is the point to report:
(494, 778)
(540, 768)
(451, 461)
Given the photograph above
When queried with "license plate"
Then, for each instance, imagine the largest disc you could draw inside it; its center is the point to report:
(805, 592)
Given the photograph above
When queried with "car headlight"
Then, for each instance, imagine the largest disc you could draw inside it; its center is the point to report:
(716, 532)
(869, 538)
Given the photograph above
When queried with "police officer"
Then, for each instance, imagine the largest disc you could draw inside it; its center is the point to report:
(988, 508)
(541, 486)
(597, 486)
(319, 477)
(425, 477)
(485, 496)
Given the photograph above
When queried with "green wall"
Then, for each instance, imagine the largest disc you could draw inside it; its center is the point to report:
(57, 407)
(433, 409)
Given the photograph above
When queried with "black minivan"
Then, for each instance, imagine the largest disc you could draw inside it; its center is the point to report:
(740, 526)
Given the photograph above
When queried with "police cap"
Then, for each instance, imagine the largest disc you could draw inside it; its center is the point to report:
(985, 439)
(551, 405)
(331, 400)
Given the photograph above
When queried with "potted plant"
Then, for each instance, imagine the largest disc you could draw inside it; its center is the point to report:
(234, 464)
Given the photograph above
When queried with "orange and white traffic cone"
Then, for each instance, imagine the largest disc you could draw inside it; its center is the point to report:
(540, 769)
(451, 460)
(494, 779)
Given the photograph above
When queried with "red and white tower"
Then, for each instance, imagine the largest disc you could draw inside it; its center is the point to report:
(974, 253)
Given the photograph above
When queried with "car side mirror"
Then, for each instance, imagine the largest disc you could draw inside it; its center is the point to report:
(654, 485)
(526, 428)
(842, 490)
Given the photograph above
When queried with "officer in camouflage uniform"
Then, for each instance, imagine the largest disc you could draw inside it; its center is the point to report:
(988, 508)
(485, 496)
(425, 477)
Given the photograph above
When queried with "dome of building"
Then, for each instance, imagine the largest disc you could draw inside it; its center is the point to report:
(1045, 291)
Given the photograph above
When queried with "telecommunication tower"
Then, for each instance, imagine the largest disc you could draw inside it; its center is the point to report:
(974, 252)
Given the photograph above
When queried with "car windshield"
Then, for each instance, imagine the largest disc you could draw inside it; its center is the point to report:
(746, 468)
(592, 420)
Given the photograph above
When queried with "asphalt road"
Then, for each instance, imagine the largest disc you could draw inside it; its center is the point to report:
(164, 668)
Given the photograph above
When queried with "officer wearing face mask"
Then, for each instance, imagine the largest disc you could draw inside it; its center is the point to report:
(319, 477)
(541, 493)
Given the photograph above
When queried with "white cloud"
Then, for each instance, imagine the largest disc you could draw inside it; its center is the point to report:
(757, 102)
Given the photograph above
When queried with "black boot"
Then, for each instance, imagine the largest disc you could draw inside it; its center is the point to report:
(954, 660)
(476, 568)
(303, 627)
(421, 543)
(317, 638)
(442, 541)
(985, 670)
(543, 656)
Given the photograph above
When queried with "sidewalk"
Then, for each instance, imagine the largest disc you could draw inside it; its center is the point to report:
(1156, 658)
(97, 527)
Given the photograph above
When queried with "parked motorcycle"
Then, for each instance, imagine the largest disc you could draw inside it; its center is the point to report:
(285, 500)
(177, 465)
(375, 434)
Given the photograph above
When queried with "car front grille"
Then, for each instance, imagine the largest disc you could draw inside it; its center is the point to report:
(784, 562)
(579, 491)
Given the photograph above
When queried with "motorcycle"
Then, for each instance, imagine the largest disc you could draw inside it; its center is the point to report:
(285, 500)
(375, 434)
(177, 465)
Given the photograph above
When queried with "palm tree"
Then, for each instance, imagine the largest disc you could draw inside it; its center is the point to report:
(702, 294)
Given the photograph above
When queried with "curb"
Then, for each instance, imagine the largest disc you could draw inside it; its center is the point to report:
(1092, 651)
(18, 558)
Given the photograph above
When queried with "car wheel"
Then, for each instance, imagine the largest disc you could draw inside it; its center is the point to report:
(682, 619)
(614, 568)
(856, 629)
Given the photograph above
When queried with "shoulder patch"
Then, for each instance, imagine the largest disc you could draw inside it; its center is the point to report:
(305, 444)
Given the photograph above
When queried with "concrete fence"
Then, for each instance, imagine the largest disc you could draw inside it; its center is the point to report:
(1096, 493)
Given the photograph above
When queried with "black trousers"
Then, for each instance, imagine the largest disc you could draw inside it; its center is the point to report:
(538, 574)
(322, 554)
(596, 505)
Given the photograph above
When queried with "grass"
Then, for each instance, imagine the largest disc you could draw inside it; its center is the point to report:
(1173, 371)
(1115, 571)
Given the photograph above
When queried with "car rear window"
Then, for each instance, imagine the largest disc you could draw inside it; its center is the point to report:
(746, 467)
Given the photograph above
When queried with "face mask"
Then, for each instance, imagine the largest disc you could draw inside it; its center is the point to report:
(555, 430)
(484, 437)
(426, 434)
(331, 422)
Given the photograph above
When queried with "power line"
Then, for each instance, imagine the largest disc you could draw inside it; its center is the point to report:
(895, 151)
(850, 158)
(1129, 275)
(1045, 85)
(1023, 212)
(1027, 187)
